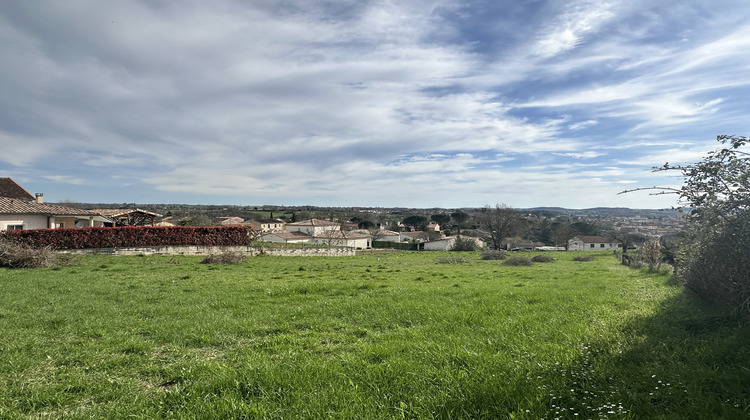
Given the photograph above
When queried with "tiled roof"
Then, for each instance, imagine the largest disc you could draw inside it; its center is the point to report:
(9, 189)
(122, 212)
(289, 235)
(15, 206)
(313, 222)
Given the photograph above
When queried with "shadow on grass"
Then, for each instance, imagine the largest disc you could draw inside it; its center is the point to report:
(686, 361)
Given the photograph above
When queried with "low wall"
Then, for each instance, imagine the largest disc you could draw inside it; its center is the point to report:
(208, 250)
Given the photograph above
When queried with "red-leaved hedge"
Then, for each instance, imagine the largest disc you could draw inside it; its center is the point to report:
(132, 236)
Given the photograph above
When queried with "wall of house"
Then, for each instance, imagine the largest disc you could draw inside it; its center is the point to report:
(583, 246)
(445, 245)
(29, 221)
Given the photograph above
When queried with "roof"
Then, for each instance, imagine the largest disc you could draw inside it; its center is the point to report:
(595, 240)
(267, 221)
(10, 189)
(15, 206)
(313, 222)
(123, 212)
(288, 235)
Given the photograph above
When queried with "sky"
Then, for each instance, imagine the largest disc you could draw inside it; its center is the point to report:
(439, 103)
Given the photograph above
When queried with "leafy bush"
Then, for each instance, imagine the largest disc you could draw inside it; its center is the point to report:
(543, 259)
(465, 245)
(130, 236)
(518, 261)
(494, 254)
(20, 255)
(583, 258)
(224, 258)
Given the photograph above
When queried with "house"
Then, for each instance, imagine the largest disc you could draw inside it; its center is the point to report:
(23, 214)
(286, 237)
(21, 210)
(313, 227)
(129, 217)
(269, 225)
(432, 226)
(388, 236)
(442, 244)
(593, 243)
(322, 232)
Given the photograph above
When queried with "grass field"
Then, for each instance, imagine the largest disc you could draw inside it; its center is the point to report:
(377, 336)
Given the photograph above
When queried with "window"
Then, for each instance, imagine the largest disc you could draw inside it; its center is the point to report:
(14, 227)
(592, 245)
(601, 246)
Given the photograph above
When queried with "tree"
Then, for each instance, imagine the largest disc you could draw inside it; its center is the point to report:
(442, 219)
(715, 264)
(561, 233)
(418, 222)
(499, 222)
(459, 218)
(366, 224)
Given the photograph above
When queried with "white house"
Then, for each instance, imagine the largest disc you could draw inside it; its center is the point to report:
(443, 244)
(592, 243)
(18, 214)
(313, 227)
(21, 210)
(286, 237)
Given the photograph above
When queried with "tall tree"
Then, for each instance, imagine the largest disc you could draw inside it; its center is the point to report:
(442, 219)
(500, 222)
(459, 218)
(416, 221)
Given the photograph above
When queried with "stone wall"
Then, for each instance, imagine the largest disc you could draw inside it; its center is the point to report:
(208, 250)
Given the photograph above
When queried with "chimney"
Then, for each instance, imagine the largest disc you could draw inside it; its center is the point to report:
(39, 198)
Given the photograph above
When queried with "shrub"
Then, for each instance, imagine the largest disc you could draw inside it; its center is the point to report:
(131, 236)
(494, 254)
(543, 259)
(518, 261)
(224, 258)
(20, 255)
(464, 245)
(583, 258)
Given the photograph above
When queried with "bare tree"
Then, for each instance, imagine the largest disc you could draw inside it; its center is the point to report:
(499, 222)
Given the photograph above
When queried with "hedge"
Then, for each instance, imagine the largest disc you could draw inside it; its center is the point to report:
(131, 236)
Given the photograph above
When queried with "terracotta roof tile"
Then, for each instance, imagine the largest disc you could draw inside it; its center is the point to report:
(10, 189)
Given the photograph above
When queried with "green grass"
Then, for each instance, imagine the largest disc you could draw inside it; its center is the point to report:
(377, 336)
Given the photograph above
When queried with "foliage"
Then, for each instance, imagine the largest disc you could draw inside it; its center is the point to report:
(442, 219)
(652, 255)
(518, 261)
(583, 258)
(499, 222)
(494, 254)
(464, 244)
(714, 262)
(130, 236)
(20, 255)
(366, 224)
(417, 221)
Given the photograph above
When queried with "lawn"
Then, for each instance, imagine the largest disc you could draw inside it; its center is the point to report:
(402, 335)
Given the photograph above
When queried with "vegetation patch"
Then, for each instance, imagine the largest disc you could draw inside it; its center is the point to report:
(20, 255)
(452, 260)
(142, 337)
(518, 262)
(224, 258)
(583, 258)
(543, 259)
(494, 254)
